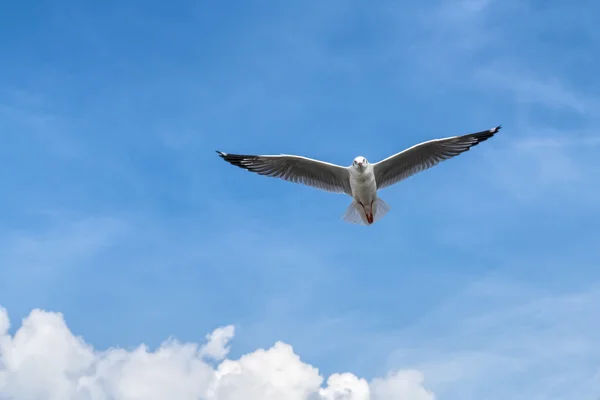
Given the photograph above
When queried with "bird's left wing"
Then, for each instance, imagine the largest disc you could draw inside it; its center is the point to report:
(425, 155)
(315, 173)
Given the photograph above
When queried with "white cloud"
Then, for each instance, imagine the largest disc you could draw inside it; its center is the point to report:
(400, 385)
(217, 346)
(345, 387)
(44, 360)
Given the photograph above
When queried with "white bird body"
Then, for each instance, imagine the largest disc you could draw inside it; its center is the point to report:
(361, 180)
(364, 192)
(363, 184)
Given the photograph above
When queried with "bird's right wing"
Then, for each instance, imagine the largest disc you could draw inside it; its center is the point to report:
(425, 155)
(318, 174)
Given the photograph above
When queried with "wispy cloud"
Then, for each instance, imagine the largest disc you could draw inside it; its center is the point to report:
(549, 92)
(535, 162)
(568, 140)
(457, 12)
(46, 255)
(30, 115)
(548, 339)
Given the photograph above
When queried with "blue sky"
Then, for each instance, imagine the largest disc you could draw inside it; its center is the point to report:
(117, 212)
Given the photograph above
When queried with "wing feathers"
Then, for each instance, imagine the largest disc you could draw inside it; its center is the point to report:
(426, 155)
(297, 169)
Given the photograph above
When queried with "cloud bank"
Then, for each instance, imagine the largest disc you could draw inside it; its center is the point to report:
(44, 360)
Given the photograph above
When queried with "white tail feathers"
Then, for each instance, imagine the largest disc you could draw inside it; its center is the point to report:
(355, 213)
(380, 208)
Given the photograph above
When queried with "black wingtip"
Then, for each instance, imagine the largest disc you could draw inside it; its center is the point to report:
(495, 130)
(485, 135)
(238, 160)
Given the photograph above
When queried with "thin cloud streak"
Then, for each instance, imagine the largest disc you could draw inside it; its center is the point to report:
(516, 332)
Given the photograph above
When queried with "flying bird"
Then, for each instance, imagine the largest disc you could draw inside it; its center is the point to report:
(361, 180)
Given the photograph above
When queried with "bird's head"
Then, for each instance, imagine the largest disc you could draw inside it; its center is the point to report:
(360, 163)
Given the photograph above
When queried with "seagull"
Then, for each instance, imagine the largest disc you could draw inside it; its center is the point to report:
(361, 180)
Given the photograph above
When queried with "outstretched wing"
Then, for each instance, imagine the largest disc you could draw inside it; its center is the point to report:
(297, 169)
(426, 155)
